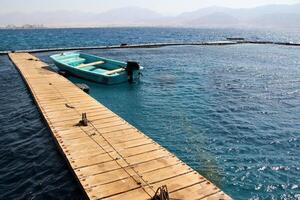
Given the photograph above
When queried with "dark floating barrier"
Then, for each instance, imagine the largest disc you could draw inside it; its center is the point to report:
(229, 41)
(287, 43)
(235, 38)
(258, 42)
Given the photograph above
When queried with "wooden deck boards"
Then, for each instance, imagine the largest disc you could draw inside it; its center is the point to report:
(110, 158)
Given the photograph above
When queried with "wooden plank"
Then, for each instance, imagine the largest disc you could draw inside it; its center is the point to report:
(167, 173)
(199, 191)
(110, 158)
(107, 177)
(91, 160)
(139, 150)
(155, 164)
(180, 182)
(112, 189)
(138, 194)
(100, 168)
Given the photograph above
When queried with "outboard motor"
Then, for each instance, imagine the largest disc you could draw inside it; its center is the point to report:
(130, 68)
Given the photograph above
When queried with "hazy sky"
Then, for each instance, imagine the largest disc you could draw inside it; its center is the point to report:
(162, 6)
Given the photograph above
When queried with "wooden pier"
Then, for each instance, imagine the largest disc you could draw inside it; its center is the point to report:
(110, 158)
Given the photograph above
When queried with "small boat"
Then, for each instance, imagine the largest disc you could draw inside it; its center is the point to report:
(98, 69)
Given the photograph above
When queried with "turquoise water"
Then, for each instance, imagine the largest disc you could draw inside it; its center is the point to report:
(231, 112)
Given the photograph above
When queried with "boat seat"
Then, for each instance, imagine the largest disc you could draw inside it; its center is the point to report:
(68, 60)
(90, 64)
(114, 71)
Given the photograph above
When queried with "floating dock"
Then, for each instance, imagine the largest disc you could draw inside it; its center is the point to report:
(110, 158)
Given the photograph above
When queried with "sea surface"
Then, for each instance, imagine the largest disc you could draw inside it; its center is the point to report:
(51, 38)
(230, 112)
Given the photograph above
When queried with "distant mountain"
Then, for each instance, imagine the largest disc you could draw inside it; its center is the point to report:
(203, 12)
(243, 13)
(49, 19)
(283, 21)
(269, 16)
(127, 16)
(217, 19)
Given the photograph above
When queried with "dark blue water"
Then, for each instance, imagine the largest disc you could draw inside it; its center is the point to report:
(47, 38)
(231, 112)
(31, 166)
